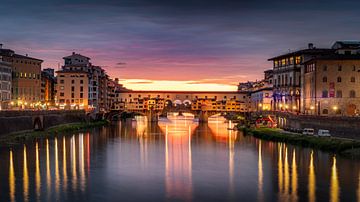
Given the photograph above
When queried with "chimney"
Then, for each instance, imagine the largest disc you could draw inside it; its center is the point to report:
(26, 54)
(73, 53)
(310, 45)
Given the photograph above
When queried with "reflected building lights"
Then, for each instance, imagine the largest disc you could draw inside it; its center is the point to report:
(280, 170)
(57, 181)
(81, 161)
(231, 161)
(37, 171)
(48, 176)
(334, 183)
(312, 179)
(64, 165)
(25, 177)
(260, 174)
(286, 175)
(178, 163)
(294, 180)
(73, 161)
(11, 178)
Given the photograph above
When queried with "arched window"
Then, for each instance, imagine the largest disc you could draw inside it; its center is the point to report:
(324, 79)
(352, 94)
(339, 79)
(352, 79)
(325, 111)
(325, 68)
(325, 93)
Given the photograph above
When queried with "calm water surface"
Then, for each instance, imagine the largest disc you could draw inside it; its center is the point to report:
(176, 160)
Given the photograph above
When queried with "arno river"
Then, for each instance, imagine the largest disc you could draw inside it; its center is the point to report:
(177, 160)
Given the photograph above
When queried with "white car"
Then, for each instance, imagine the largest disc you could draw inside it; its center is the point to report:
(324, 133)
(308, 131)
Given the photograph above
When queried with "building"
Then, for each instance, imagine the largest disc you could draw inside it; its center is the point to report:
(26, 77)
(72, 89)
(331, 82)
(96, 77)
(5, 84)
(48, 90)
(288, 77)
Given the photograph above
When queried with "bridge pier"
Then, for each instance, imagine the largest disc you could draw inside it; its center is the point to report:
(203, 117)
(152, 116)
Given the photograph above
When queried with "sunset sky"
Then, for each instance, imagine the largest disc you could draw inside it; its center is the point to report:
(175, 45)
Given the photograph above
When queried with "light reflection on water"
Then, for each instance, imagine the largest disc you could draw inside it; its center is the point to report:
(176, 159)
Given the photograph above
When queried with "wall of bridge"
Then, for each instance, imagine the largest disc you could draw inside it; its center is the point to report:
(15, 121)
(183, 95)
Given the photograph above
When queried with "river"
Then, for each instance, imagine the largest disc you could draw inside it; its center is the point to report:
(172, 160)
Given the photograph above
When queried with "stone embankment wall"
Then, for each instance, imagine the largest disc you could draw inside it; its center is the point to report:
(340, 126)
(14, 121)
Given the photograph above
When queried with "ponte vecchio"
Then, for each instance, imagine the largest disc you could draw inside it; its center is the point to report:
(200, 103)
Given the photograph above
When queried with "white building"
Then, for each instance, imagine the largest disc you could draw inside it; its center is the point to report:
(5, 84)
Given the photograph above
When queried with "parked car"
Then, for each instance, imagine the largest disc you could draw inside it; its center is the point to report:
(308, 131)
(324, 133)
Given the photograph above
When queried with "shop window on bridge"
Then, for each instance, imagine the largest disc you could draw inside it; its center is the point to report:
(325, 111)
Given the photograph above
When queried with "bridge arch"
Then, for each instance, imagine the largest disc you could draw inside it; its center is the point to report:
(38, 123)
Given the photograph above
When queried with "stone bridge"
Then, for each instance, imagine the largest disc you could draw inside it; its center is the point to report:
(25, 120)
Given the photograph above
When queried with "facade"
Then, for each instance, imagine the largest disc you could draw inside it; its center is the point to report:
(5, 84)
(262, 99)
(288, 77)
(26, 77)
(96, 77)
(72, 89)
(331, 83)
(212, 101)
(48, 90)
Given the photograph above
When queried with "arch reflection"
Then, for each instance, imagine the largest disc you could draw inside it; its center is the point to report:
(334, 183)
(178, 162)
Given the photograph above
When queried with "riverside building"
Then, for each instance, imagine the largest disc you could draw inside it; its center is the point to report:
(332, 82)
(5, 84)
(288, 77)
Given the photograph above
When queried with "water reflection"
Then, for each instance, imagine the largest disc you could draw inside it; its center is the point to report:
(334, 183)
(260, 175)
(312, 179)
(178, 159)
(25, 177)
(173, 160)
(11, 177)
(37, 172)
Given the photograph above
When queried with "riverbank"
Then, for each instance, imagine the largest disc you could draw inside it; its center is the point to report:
(342, 146)
(20, 137)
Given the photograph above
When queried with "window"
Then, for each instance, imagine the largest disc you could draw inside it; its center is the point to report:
(61, 87)
(324, 79)
(325, 111)
(339, 94)
(81, 81)
(325, 93)
(81, 88)
(72, 88)
(72, 81)
(354, 68)
(339, 79)
(324, 68)
(339, 68)
(62, 81)
(352, 94)
(352, 79)
(81, 95)
(61, 94)
(72, 95)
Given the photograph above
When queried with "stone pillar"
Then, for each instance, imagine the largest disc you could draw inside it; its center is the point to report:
(203, 117)
(152, 116)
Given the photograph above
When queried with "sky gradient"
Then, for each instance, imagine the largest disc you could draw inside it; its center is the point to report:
(194, 43)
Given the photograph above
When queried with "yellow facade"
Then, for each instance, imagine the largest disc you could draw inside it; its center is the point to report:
(72, 90)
